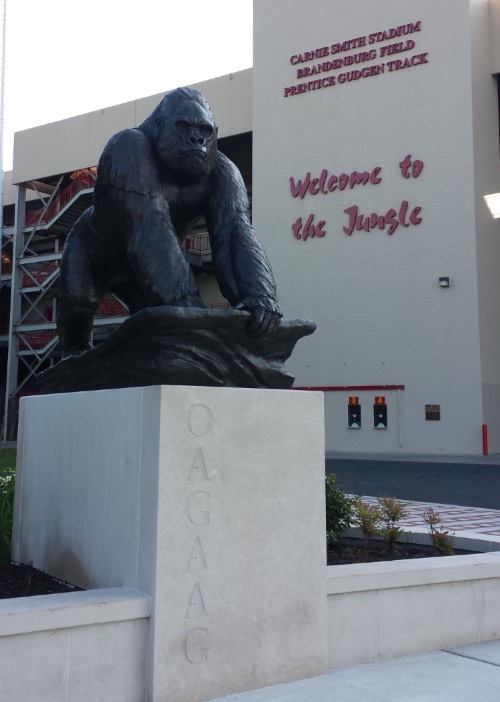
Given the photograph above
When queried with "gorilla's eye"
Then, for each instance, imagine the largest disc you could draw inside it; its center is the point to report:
(182, 126)
(185, 129)
(206, 131)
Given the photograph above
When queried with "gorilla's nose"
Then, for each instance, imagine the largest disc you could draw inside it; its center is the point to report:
(196, 139)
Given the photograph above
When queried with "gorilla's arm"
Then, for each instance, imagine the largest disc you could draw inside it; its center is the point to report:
(130, 210)
(241, 265)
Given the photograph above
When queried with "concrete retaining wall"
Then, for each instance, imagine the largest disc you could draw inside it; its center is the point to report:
(93, 645)
(75, 647)
(389, 609)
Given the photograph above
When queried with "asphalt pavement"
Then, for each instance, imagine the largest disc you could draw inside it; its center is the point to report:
(453, 480)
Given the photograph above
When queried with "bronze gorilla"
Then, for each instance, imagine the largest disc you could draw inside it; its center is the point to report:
(153, 183)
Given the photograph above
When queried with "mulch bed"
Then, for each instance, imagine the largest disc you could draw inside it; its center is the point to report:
(345, 553)
(24, 581)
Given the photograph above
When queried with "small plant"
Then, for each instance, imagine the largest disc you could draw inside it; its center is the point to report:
(7, 485)
(7, 459)
(441, 538)
(392, 511)
(367, 518)
(338, 510)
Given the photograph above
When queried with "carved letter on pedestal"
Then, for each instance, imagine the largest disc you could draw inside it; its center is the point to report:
(198, 471)
(196, 646)
(197, 508)
(197, 560)
(196, 606)
(200, 420)
(200, 424)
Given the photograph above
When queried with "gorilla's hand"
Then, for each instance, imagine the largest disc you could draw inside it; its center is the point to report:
(265, 315)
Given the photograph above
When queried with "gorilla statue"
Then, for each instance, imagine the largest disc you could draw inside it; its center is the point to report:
(153, 183)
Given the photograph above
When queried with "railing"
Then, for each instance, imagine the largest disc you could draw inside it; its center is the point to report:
(83, 181)
(198, 244)
(36, 341)
(6, 268)
(108, 308)
(39, 275)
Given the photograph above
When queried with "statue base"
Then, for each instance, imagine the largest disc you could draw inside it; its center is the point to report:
(210, 500)
(182, 346)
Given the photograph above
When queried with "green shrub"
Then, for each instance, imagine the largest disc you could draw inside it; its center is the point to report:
(379, 520)
(7, 459)
(367, 518)
(391, 512)
(441, 538)
(338, 510)
(7, 485)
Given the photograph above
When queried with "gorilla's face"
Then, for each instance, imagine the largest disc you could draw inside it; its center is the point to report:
(186, 142)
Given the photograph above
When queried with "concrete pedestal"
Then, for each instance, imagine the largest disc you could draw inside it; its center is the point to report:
(210, 500)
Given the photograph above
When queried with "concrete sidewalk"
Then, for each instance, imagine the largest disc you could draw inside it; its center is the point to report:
(465, 674)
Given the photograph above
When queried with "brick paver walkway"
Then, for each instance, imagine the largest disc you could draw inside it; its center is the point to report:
(453, 518)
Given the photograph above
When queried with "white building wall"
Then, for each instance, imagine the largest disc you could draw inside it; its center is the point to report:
(382, 317)
(494, 21)
(484, 17)
(77, 142)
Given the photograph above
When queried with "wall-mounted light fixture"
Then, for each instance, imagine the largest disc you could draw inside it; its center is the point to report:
(493, 202)
(444, 281)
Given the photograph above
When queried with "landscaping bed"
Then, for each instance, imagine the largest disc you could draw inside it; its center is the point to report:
(346, 553)
(19, 580)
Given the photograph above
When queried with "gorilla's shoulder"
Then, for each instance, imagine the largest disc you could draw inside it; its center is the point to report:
(226, 185)
(129, 140)
(125, 155)
(224, 168)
